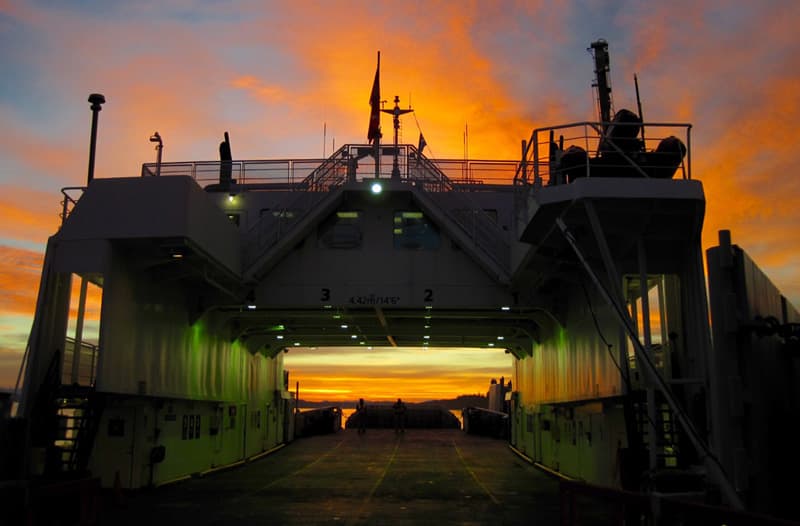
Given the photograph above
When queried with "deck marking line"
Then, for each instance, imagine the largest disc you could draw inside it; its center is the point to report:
(474, 476)
(377, 483)
(293, 473)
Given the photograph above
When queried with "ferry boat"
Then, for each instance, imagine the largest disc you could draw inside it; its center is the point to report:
(582, 259)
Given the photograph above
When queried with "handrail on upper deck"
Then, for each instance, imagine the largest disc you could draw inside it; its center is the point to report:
(603, 153)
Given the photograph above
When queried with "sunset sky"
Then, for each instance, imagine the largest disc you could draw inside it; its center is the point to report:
(274, 74)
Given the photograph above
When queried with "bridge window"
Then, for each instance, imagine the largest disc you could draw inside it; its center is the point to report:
(341, 230)
(413, 231)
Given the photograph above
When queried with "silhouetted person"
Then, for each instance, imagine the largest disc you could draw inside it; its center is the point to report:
(399, 416)
(225, 165)
(361, 416)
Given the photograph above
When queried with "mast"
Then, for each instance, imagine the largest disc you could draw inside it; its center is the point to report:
(396, 112)
(602, 70)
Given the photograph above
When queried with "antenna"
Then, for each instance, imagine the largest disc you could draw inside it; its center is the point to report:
(602, 69)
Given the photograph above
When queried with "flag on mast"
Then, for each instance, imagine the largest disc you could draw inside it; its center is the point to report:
(374, 132)
(422, 143)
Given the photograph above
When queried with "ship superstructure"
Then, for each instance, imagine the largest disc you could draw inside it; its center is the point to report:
(582, 259)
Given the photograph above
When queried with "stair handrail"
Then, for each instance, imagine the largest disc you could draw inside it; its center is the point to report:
(269, 228)
(482, 229)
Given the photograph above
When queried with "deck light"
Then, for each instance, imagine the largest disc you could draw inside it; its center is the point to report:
(505, 308)
(354, 336)
(230, 198)
(501, 337)
(376, 188)
(251, 307)
(297, 344)
(362, 343)
(427, 337)
(160, 146)
(279, 337)
(491, 344)
(343, 326)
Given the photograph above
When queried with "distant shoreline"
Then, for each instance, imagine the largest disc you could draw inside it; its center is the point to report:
(453, 403)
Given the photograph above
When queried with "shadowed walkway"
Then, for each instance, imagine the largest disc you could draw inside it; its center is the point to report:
(422, 477)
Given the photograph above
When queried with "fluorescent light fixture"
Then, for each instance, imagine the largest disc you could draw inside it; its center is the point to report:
(251, 307)
(354, 336)
(501, 337)
(491, 344)
(427, 337)
(279, 337)
(505, 308)
(344, 326)
(297, 344)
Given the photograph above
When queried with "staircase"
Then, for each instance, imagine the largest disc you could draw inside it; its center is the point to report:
(271, 228)
(77, 414)
(423, 174)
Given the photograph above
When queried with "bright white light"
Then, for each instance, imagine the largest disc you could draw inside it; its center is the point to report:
(230, 198)
(491, 344)
(501, 337)
(354, 336)
(279, 337)
(343, 326)
(297, 344)
(251, 307)
(376, 188)
(427, 337)
(505, 308)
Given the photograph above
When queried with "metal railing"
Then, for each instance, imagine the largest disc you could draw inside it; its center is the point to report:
(540, 163)
(87, 366)
(72, 195)
(451, 196)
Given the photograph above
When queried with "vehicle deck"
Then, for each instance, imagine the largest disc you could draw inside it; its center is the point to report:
(420, 477)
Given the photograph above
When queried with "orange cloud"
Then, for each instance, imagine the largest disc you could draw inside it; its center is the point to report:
(19, 280)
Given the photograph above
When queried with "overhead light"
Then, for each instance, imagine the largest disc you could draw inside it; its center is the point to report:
(362, 343)
(376, 188)
(279, 337)
(491, 344)
(344, 326)
(501, 337)
(251, 307)
(505, 308)
(297, 344)
(354, 336)
(427, 326)
(427, 337)
(230, 198)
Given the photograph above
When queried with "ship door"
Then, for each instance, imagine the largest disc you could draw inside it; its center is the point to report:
(119, 452)
(243, 420)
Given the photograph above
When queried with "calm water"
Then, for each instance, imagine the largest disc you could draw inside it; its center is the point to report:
(346, 412)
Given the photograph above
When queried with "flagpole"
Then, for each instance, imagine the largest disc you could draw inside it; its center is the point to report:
(378, 136)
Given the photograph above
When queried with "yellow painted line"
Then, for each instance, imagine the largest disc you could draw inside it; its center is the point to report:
(474, 476)
(378, 482)
(298, 471)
